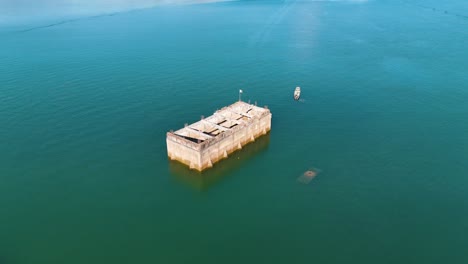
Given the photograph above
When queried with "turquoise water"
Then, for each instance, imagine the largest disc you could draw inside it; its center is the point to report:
(85, 106)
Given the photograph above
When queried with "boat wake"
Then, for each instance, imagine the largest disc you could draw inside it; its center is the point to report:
(117, 11)
(263, 35)
(66, 22)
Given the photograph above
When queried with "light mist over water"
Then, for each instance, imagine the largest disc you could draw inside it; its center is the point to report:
(19, 13)
(23, 12)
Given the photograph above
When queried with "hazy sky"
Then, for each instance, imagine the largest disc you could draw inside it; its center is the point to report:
(12, 11)
(21, 11)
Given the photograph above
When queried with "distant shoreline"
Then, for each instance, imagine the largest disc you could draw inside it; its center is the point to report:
(29, 24)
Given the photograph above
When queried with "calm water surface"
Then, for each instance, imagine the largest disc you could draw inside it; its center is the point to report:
(85, 105)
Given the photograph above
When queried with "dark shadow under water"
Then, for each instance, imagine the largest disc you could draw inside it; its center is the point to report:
(201, 181)
(6, 258)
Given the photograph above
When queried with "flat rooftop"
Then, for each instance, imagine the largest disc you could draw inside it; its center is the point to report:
(225, 119)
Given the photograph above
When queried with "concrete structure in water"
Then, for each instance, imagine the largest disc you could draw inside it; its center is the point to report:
(211, 139)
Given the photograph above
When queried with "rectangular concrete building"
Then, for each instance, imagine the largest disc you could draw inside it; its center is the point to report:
(213, 138)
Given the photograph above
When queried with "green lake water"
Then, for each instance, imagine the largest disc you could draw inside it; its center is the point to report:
(85, 106)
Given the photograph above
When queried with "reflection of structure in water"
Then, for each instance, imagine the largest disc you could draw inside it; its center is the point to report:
(203, 180)
(308, 175)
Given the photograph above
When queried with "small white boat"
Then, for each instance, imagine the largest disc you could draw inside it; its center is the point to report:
(297, 93)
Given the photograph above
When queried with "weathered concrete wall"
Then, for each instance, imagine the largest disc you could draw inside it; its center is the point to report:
(204, 155)
(233, 140)
(183, 151)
